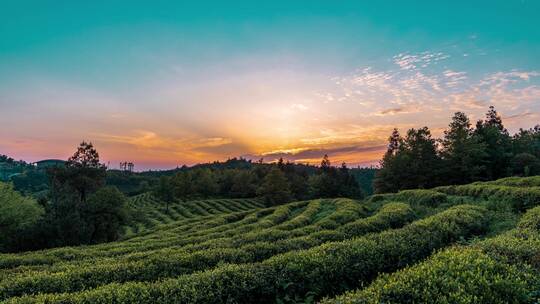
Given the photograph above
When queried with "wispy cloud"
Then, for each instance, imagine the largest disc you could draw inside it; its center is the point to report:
(422, 60)
(419, 85)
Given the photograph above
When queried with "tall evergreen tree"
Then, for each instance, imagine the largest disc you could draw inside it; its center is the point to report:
(494, 135)
(388, 178)
(420, 157)
(464, 156)
(415, 163)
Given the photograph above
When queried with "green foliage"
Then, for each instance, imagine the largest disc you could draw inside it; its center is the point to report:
(531, 220)
(464, 155)
(410, 162)
(422, 197)
(458, 275)
(104, 215)
(237, 251)
(518, 198)
(18, 215)
(503, 269)
(250, 247)
(322, 270)
(532, 181)
(275, 188)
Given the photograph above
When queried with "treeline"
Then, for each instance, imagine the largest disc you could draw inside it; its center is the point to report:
(277, 183)
(82, 205)
(34, 181)
(78, 208)
(463, 155)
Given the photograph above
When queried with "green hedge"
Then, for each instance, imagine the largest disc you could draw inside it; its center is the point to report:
(416, 197)
(324, 270)
(503, 269)
(520, 199)
(422, 197)
(454, 276)
(531, 181)
(173, 263)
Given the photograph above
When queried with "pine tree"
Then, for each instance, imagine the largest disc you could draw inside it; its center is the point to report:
(494, 135)
(463, 155)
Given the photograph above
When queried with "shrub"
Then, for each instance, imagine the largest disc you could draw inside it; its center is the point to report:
(422, 197)
(457, 275)
(18, 216)
(323, 270)
(496, 270)
(531, 220)
(170, 263)
(520, 199)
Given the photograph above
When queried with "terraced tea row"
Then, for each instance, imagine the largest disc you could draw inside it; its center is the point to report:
(306, 251)
(503, 269)
(327, 269)
(152, 212)
(172, 263)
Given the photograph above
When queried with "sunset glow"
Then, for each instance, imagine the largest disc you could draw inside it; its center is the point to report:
(172, 84)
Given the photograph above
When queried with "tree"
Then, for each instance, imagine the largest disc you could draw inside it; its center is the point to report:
(325, 163)
(388, 178)
(463, 154)
(275, 188)
(164, 191)
(243, 184)
(415, 164)
(182, 185)
(348, 186)
(525, 164)
(527, 141)
(394, 142)
(203, 183)
(18, 215)
(86, 156)
(82, 172)
(494, 135)
(104, 215)
(421, 159)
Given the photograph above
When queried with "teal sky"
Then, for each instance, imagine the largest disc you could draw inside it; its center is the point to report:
(163, 83)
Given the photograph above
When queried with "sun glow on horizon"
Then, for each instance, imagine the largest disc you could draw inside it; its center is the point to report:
(291, 80)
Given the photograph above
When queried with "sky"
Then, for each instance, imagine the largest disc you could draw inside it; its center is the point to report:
(167, 83)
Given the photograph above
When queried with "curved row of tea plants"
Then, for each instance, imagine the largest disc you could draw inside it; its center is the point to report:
(324, 270)
(73, 277)
(503, 269)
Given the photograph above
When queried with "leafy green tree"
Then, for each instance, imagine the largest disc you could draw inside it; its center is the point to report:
(527, 141)
(463, 154)
(244, 184)
(104, 214)
(164, 191)
(18, 215)
(421, 159)
(182, 185)
(275, 188)
(82, 172)
(525, 164)
(204, 183)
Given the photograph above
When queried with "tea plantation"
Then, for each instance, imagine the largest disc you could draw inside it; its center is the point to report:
(477, 243)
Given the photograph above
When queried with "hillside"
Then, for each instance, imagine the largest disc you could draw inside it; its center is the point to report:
(476, 243)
